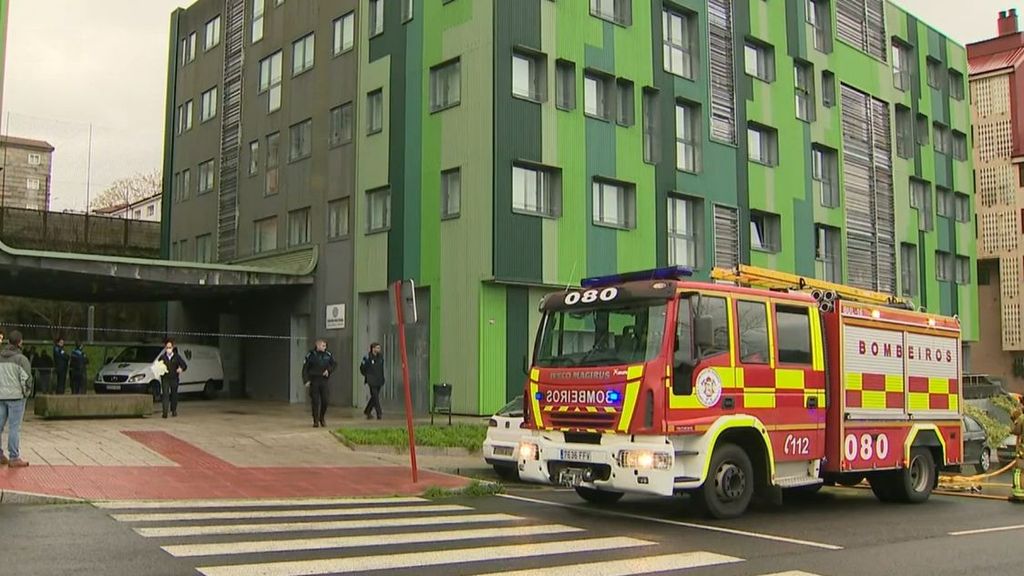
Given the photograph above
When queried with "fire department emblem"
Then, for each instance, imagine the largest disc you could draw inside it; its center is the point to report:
(709, 387)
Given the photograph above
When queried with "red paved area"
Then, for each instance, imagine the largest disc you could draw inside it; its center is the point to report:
(200, 475)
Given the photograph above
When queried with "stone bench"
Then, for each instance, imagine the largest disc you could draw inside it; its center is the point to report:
(94, 406)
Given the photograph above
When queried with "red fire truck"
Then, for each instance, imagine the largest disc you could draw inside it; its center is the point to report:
(650, 383)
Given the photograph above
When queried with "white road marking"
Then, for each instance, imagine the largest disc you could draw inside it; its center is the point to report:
(719, 529)
(161, 504)
(257, 514)
(639, 565)
(259, 547)
(361, 564)
(987, 530)
(792, 573)
(275, 528)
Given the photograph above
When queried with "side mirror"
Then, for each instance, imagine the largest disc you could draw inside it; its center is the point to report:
(704, 332)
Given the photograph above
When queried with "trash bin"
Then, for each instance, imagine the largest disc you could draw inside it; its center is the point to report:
(442, 403)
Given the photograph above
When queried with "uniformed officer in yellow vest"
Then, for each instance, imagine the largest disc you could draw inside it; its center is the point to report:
(1017, 494)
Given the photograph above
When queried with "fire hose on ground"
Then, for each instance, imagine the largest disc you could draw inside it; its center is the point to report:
(972, 483)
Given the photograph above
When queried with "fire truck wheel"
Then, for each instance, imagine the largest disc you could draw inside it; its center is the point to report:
(917, 479)
(883, 486)
(730, 483)
(598, 496)
(850, 480)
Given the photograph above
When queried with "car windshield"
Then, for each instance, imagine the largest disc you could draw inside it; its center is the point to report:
(138, 355)
(513, 408)
(602, 335)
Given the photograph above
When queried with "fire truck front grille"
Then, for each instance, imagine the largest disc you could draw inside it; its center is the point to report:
(583, 420)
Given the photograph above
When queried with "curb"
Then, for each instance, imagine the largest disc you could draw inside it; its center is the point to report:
(17, 497)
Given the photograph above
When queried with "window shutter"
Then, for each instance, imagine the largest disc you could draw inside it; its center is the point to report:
(723, 84)
(727, 242)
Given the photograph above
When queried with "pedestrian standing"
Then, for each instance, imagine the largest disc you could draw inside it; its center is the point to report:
(78, 362)
(317, 370)
(372, 369)
(175, 365)
(60, 364)
(1017, 428)
(15, 388)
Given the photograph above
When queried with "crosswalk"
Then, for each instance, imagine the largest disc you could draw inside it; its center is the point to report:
(380, 535)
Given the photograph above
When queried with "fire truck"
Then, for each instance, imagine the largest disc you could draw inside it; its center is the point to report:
(652, 383)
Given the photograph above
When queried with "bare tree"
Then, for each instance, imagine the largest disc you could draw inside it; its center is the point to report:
(131, 189)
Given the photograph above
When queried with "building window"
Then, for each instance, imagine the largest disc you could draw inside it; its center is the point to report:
(341, 124)
(861, 23)
(651, 117)
(451, 193)
(137, 214)
(963, 270)
(188, 48)
(378, 210)
(204, 249)
(254, 157)
(683, 218)
(270, 80)
(303, 52)
(678, 48)
(257, 20)
(338, 218)
(208, 105)
(904, 132)
(211, 37)
(804, 87)
(828, 89)
(720, 65)
(726, 232)
(150, 210)
(827, 253)
(375, 111)
(956, 85)
(626, 102)
(944, 202)
(186, 184)
(943, 144)
(185, 117)
(959, 146)
(825, 172)
(301, 140)
(762, 145)
(35, 159)
(921, 199)
(298, 227)
(408, 10)
(32, 184)
(265, 235)
(597, 101)
(183, 251)
(207, 177)
(944, 266)
(445, 85)
(618, 11)
(936, 73)
(902, 62)
(536, 191)
(614, 204)
(759, 60)
(908, 269)
(765, 231)
(819, 16)
(565, 85)
(344, 33)
(687, 143)
(376, 17)
(962, 207)
(528, 76)
(273, 161)
(921, 131)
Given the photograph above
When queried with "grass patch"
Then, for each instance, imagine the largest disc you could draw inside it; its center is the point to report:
(475, 489)
(468, 436)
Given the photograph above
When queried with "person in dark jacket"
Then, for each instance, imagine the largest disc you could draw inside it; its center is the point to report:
(60, 365)
(316, 371)
(44, 371)
(77, 364)
(175, 365)
(372, 369)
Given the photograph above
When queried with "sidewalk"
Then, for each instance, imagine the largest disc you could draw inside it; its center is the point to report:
(220, 449)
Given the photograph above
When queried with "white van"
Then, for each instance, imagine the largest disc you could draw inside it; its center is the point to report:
(131, 371)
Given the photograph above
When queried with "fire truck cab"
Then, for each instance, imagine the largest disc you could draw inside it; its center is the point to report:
(650, 383)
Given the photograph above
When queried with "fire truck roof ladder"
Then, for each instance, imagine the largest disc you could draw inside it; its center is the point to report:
(822, 291)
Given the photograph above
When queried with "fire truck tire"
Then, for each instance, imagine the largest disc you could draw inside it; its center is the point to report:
(727, 491)
(883, 486)
(915, 482)
(595, 496)
(850, 480)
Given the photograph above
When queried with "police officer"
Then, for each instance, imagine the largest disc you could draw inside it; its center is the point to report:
(78, 363)
(316, 370)
(60, 363)
(372, 369)
(1017, 494)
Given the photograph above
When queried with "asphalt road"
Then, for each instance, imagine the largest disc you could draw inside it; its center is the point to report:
(527, 532)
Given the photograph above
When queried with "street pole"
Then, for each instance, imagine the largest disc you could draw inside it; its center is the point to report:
(400, 315)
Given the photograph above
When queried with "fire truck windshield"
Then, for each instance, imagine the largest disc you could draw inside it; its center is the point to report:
(627, 333)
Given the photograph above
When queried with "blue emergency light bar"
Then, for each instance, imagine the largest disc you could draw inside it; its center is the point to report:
(669, 273)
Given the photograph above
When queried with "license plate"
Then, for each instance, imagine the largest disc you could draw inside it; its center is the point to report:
(576, 455)
(113, 387)
(571, 477)
(502, 450)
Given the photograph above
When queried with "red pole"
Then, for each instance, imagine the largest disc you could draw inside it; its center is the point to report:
(405, 378)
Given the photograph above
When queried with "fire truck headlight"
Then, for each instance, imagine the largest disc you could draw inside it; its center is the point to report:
(645, 460)
(528, 451)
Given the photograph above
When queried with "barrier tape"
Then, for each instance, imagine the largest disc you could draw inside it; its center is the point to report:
(162, 333)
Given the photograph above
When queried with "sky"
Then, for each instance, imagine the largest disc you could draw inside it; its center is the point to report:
(73, 65)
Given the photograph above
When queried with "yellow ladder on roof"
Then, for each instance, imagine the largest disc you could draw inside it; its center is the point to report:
(755, 277)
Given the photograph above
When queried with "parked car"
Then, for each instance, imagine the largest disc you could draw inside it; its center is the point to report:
(503, 432)
(977, 451)
(131, 371)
